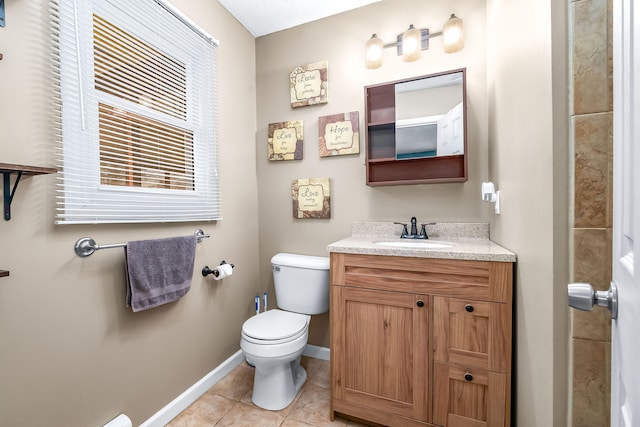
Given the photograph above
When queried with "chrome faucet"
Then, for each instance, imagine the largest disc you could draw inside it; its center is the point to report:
(414, 230)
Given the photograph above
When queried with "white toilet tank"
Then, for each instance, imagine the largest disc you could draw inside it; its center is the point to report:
(301, 283)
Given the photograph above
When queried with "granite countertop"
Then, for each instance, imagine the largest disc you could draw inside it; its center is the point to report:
(468, 241)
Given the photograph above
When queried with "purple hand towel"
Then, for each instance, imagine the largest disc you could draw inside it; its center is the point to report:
(158, 271)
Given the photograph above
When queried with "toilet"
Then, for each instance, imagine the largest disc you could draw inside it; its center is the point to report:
(274, 340)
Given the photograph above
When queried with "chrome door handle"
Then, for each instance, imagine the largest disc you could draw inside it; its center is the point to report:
(583, 297)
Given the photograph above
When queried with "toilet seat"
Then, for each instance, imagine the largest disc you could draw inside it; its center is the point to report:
(275, 327)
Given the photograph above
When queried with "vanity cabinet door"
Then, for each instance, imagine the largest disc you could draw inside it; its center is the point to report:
(379, 347)
(472, 333)
(468, 397)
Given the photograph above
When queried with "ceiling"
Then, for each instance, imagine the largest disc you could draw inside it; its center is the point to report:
(261, 17)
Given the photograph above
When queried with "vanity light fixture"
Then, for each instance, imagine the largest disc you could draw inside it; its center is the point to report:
(411, 44)
(373, 52)
(413, 41)
(453, 34)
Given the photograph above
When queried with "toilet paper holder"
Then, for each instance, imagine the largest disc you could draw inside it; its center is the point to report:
(206, 270)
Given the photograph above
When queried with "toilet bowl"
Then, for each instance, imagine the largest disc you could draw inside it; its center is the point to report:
(273, 341)
(276, 357)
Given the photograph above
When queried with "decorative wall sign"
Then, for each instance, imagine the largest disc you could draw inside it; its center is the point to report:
(309, 84)
(339, 134)
(311, 198)
(285, 140)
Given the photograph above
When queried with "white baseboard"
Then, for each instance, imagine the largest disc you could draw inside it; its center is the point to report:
(182, 402)
(317, 352)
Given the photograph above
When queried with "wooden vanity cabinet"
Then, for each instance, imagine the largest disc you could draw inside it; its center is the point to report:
(421, 341)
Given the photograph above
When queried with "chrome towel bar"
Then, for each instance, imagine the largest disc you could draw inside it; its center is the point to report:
(85, 246)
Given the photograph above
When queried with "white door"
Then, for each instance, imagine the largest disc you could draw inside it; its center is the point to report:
(624, 296)
(625, 338)
(451, 132)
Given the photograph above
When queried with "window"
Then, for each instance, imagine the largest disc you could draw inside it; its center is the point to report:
(137, 95)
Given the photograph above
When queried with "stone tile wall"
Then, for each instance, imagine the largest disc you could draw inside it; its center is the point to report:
(591, 138)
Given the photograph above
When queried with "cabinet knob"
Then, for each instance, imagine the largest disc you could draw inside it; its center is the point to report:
(468, 307)
(420, 303)
(468, 377)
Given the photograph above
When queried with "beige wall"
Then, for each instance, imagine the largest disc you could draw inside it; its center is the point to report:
(71, 349)
(340, 40)
(72, 354)
(527, 68)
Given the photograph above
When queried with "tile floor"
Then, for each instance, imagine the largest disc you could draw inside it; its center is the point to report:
(228, 403)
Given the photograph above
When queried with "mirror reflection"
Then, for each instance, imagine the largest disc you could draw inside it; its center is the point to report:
(430, 117)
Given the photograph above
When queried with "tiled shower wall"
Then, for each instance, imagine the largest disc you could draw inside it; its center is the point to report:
(591, 92)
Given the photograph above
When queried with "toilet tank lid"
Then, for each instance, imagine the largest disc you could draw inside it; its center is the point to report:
(301, 261)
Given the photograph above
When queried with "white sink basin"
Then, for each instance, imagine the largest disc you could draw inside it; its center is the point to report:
(414, 244)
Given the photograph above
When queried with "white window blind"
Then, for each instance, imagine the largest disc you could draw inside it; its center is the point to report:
(137, 108)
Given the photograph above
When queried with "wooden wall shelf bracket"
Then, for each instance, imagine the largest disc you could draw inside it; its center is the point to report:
(7, 170)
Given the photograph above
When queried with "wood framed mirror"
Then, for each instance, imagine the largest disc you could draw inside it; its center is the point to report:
(416, 130)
